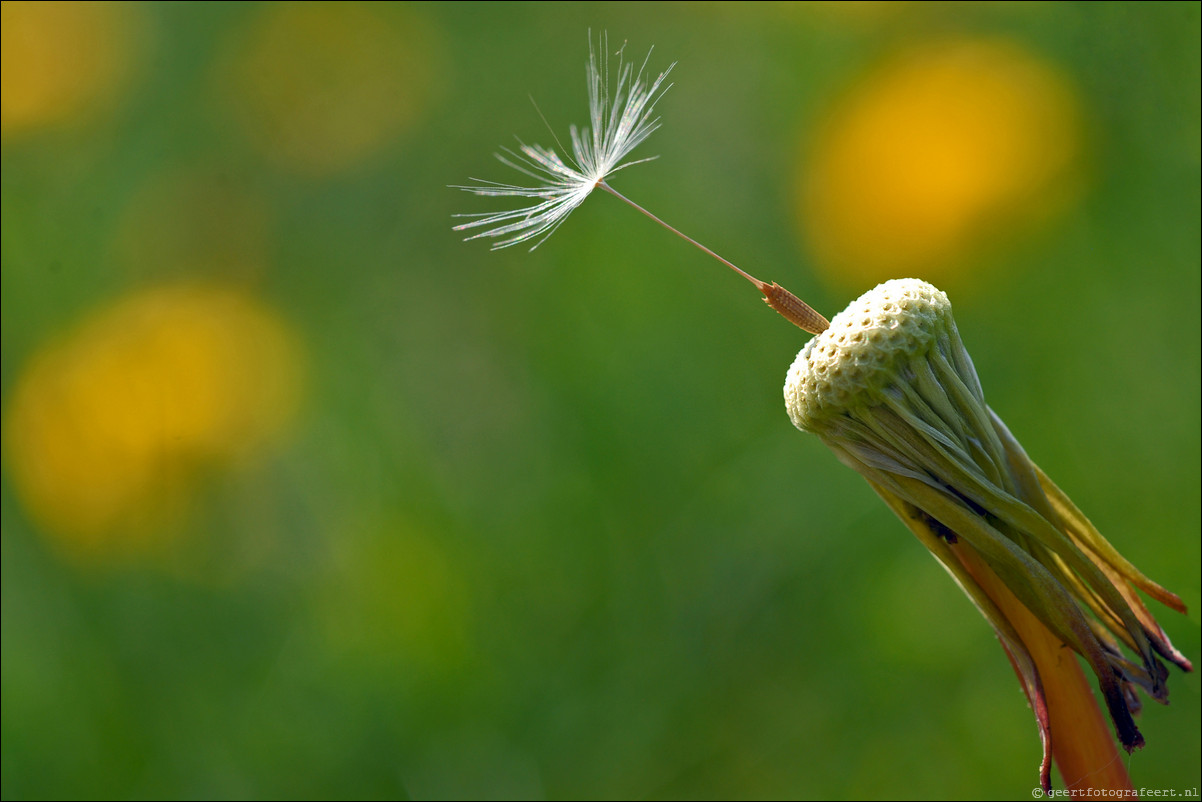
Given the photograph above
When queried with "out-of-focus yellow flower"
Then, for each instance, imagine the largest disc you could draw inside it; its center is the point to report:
(321, 87)
(937, 153)
(108, 430)
(62, 61)
(194, 222)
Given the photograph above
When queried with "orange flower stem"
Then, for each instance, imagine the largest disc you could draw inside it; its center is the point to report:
(1082, 744)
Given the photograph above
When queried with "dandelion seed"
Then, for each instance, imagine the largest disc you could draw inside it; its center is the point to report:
(621, 119)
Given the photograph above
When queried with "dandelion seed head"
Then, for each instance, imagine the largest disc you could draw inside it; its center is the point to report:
(890, 388)
(860, 353)
(621, 116)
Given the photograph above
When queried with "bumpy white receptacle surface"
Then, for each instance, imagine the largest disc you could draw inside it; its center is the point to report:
(863, 349)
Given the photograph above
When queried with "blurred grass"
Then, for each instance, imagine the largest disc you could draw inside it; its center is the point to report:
(540, 527)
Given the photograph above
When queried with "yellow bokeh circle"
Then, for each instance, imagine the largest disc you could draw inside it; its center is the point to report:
(109, 429)
(941, 152)
(195, 221)
(321, 87)
(63, 61)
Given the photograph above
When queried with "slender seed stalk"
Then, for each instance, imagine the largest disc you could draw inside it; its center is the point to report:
(792, 308)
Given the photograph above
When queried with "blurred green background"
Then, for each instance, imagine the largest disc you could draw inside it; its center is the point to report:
(303, 496)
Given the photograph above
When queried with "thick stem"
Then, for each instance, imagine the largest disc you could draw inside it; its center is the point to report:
(1082, 745)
